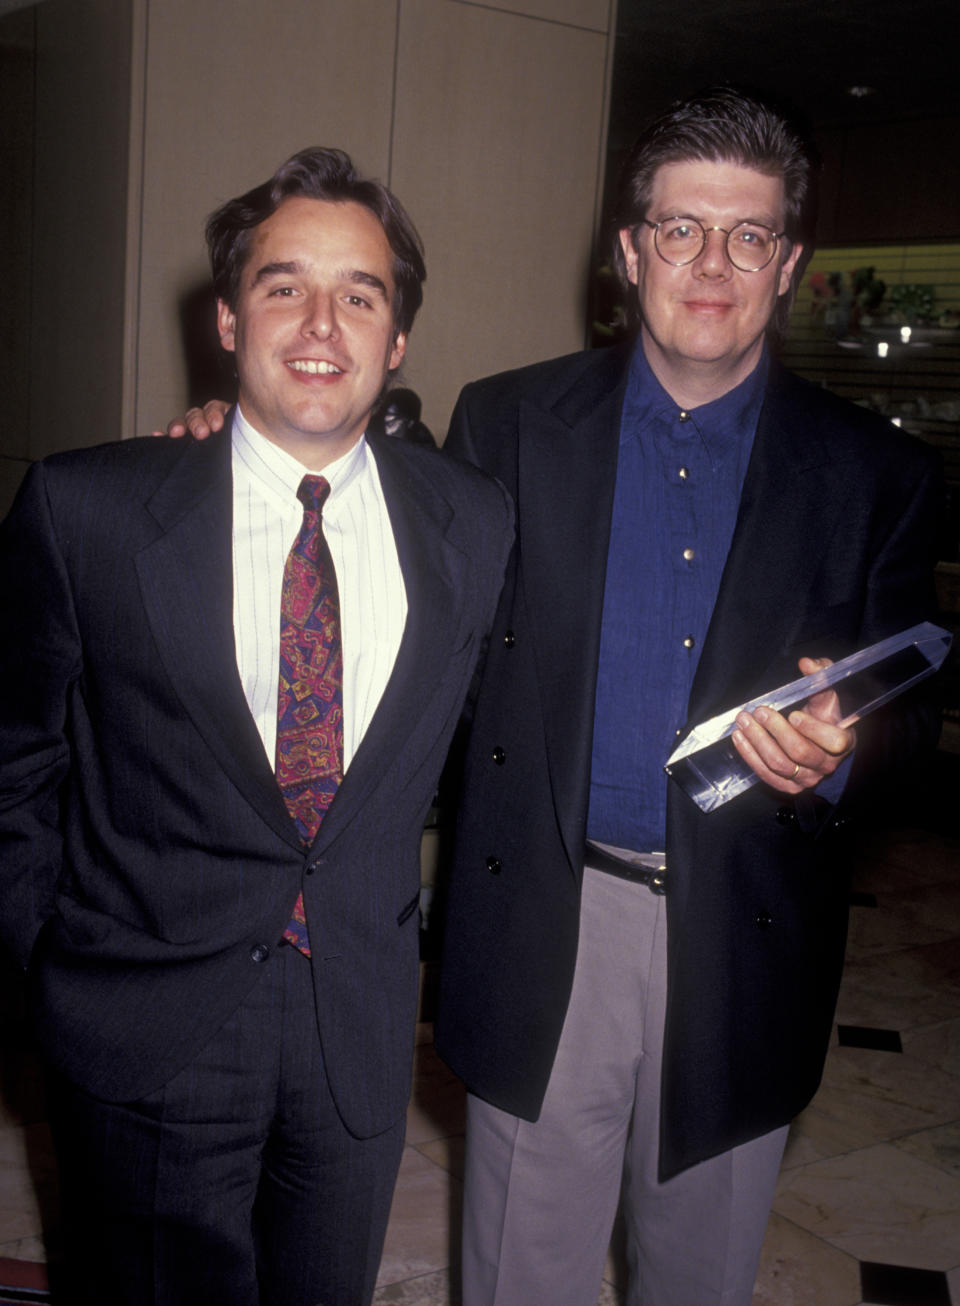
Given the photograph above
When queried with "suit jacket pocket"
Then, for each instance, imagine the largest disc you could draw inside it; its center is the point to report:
(38, 943)
(410, 908)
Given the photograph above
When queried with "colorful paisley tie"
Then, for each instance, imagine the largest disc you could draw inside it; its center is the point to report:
(309, 763)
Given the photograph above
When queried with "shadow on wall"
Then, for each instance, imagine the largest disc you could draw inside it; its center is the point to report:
(210, 370)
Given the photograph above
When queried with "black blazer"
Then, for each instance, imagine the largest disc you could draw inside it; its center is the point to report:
(831, 550)
(149, 863)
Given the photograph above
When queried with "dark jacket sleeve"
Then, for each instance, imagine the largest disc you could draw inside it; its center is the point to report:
(900, 593)
(40, 664)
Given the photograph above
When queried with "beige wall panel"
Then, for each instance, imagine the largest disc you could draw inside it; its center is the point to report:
(232, 88)
(16, 227)
(79, 238)
(497, 153)
(593, 14)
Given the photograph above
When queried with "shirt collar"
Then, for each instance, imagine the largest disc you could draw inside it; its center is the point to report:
(276, 474)
(722, 425)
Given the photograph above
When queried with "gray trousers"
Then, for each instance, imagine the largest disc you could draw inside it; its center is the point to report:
(540, 1199)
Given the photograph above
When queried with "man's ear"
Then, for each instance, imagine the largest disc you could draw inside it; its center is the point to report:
(786, 269)
(630, 255)
(397, 353)
(227, 325)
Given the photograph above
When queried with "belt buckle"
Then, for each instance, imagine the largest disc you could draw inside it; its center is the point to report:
(653, 864)
(656, 863)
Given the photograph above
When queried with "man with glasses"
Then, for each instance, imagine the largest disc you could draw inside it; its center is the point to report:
(634, 990)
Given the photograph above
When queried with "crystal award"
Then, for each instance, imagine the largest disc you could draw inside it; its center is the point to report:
(708, 767)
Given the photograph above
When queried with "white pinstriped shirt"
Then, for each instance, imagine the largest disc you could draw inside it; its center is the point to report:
(267, 516)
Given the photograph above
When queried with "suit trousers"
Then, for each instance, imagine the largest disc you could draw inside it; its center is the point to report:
(236, 1184)
(540, 1199)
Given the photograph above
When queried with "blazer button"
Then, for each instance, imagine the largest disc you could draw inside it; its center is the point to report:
(509, 639)
(785, 816)
(260, 953)
(499, 756)
(494, 865)
(763, 920)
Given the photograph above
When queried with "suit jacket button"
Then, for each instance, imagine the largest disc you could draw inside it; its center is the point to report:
(260, 953)
(763, 920)
(499, 756)
(786, 816)
(509, 639)
(494, 865)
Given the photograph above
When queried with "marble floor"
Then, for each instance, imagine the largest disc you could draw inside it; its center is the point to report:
(868, 1204)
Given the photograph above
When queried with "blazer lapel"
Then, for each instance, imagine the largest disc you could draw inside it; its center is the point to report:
(786, 514)
(186, 578)
(434, 571)
(566, 478)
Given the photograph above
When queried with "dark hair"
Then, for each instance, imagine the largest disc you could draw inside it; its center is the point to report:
(321, 174)
(724, 125)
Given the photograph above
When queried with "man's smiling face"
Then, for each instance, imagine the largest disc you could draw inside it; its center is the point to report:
(313, 329)
(703, 323)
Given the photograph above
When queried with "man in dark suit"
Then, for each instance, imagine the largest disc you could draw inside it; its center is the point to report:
(229, 675)
(634, 990)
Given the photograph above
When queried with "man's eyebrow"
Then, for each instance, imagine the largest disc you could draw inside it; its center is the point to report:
(360, 278)
(354, 276)
(276, 270)
(768, 221)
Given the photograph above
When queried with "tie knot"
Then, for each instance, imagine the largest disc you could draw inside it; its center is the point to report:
(312, 492)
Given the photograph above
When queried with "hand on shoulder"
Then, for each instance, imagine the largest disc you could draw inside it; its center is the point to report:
(200, 422)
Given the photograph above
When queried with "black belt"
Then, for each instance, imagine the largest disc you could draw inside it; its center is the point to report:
(640, 868)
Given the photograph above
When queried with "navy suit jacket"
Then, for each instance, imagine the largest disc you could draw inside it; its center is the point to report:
(149, 864)
(831, 551)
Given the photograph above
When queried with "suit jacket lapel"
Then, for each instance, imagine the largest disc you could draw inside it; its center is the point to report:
(566, 478)
(787, 508)
(186, 578)
(434, 571)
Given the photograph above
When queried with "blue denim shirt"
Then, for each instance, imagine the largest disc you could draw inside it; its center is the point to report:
(679, 478)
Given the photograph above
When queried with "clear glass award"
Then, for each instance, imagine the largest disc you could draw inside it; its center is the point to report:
(711, 771)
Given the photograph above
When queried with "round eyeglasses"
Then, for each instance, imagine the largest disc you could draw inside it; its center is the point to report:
(750, 246)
